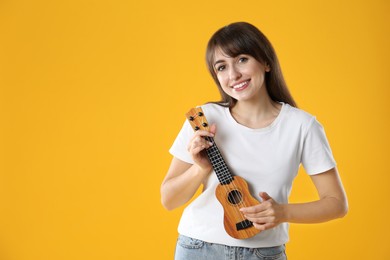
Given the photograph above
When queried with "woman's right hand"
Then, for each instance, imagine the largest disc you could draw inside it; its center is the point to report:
(197, 148)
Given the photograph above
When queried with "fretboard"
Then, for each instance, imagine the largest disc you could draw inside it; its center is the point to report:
(219, 165)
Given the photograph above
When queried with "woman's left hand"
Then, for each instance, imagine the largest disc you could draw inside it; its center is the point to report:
(265, 215)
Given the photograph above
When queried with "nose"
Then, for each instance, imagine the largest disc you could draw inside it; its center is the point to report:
(234, 73)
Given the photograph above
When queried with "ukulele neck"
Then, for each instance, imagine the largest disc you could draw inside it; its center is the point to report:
(219, 165)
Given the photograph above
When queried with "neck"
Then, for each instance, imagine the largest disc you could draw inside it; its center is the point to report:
(256, 113)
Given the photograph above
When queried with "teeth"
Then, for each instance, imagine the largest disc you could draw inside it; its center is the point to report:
(240, 85)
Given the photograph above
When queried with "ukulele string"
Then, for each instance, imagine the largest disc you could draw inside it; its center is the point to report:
(237, 197)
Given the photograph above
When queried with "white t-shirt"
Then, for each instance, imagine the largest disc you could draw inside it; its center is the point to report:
(267, 158)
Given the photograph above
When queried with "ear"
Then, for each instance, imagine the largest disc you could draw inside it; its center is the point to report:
(267, 68)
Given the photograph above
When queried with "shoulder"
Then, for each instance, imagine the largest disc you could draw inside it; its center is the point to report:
(217, 114)
(212, 109)
(212, 106)
(298, 117)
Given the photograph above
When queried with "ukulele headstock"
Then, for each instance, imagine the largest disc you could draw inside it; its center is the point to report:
(197, 119)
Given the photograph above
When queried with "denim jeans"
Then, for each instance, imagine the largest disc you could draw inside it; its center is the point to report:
(193, 249)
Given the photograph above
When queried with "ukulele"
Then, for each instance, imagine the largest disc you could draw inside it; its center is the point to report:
(232, 191)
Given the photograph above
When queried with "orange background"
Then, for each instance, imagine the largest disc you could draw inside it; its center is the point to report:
(93, 94)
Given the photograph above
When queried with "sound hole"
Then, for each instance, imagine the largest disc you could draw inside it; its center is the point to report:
(234, 197)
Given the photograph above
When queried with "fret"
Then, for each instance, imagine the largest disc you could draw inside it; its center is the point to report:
(218, 163)
(223, 174)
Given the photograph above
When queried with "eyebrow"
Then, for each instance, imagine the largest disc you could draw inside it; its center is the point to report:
(218, 61)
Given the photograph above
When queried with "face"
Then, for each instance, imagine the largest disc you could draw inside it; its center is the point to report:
(241, 77)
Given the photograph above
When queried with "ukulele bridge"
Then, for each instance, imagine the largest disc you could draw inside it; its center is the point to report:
(243, 225)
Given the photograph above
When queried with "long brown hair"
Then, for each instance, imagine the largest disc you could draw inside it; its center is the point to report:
(244, 38)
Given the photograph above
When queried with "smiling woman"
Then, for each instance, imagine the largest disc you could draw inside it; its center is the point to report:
(264, 138)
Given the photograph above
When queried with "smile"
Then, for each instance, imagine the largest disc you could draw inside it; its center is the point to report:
(241, 85)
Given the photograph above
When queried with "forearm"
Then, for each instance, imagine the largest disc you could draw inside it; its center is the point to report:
(315, 212)
(180, 189)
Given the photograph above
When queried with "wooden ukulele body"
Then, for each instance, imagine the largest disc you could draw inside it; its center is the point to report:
(232, 197)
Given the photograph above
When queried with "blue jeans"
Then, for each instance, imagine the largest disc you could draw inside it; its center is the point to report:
(193, 249)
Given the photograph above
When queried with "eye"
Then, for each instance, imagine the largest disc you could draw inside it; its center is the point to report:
(242, 59)
(221, 68)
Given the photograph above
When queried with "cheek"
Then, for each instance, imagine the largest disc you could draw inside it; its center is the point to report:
(223, 86)
(222, 80)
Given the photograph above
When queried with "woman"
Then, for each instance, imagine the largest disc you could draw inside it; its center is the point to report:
(264, 138)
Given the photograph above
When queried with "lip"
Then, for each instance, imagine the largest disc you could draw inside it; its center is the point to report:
(244, 84)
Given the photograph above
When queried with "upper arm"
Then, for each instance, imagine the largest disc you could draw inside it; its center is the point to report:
(328, 184)
(176, 168)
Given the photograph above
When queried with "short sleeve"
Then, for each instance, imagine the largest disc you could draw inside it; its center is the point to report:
(179, 146)
(317, 155)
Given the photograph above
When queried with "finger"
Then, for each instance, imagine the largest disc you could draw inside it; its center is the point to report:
(265, 217)
(213, 129)
(263, 227)
(265, 196)
(198, 141)
(256, 209)
(253, 210)
(197, 150)
(260, 214)
(204, 133)
(198, 147)
(201, 142)
(259, 221)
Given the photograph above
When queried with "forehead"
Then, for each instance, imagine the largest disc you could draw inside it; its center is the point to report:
(220, 55)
